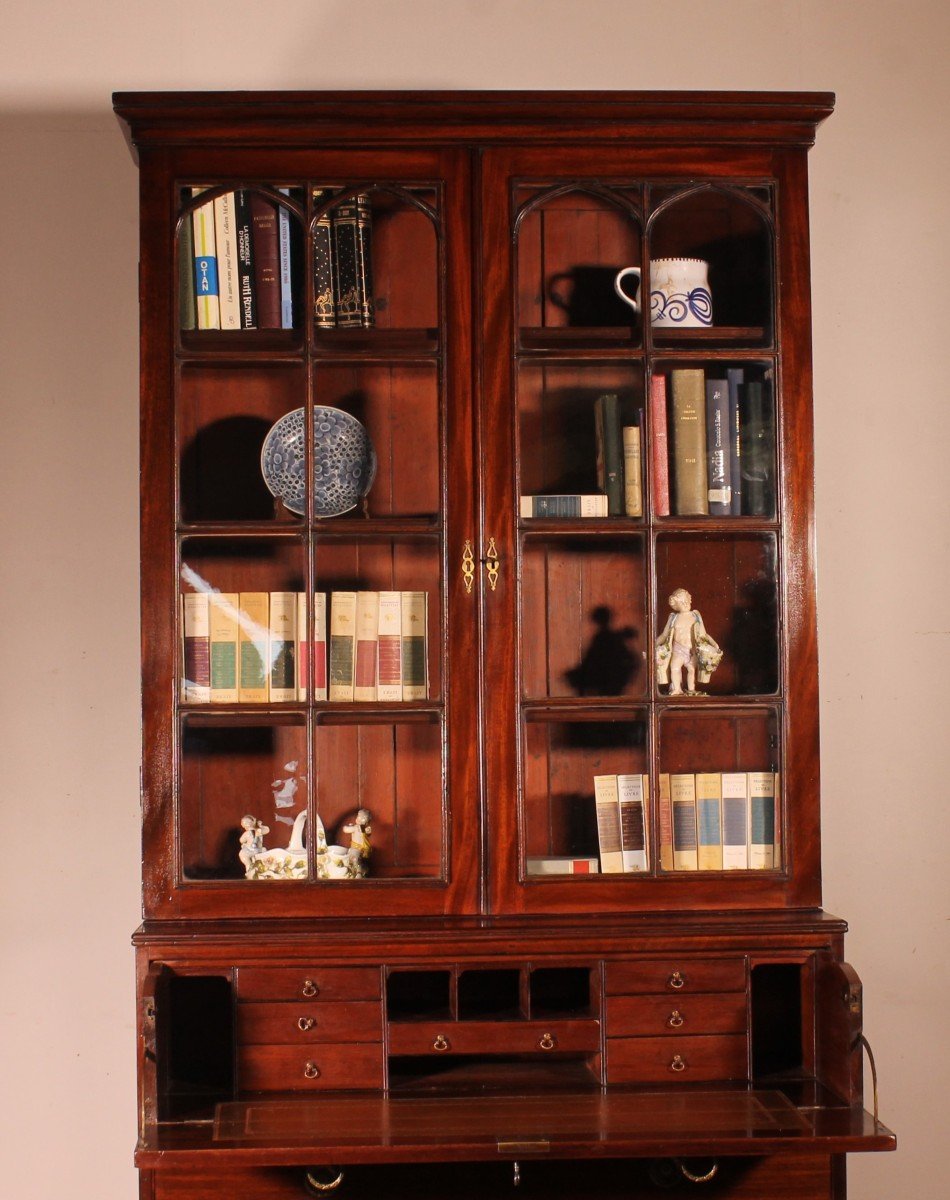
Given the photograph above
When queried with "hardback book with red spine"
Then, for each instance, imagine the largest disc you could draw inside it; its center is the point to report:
(266, 254)
(367, 623)
(659, 447)
(389, 662)
(196, 659)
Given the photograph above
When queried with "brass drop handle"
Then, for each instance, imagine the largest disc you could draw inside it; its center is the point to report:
(547, 1041)
(676, 980)
(468, 566)
(305, 1023)
(311, 1070)
(310, 989)
(441, 1043)
(321, 1185)
(678, 1063)
(492, 565)
(676, 1019)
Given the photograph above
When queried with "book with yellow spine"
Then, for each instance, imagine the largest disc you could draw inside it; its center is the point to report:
(223, 630)
(709, 820)
(253, 642)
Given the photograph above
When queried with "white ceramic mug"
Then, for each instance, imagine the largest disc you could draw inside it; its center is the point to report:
(679, 293)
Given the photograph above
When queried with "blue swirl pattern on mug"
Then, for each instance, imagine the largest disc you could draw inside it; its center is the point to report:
(677, 307)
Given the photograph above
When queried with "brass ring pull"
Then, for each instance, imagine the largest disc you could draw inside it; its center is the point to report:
(441, 1043)
(676, 980)
(319, 1185)
(492, 565)
(676, 1019)
(692, 1176)
(310, 989)
(468, 566)
(547, 1041)
(678, 1063)
(312, 1071)
(305, 1023)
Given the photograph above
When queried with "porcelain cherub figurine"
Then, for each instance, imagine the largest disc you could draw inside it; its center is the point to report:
(360, 831)
(253, 833)
(684, 645)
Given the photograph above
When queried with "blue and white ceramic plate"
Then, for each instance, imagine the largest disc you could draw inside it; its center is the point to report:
(344, 461)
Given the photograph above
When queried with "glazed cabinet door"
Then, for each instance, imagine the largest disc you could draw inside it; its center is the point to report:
(307, 436)
(649, 733)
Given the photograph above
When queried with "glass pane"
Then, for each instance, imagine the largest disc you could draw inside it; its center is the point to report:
(730, 605)
(575, 771)
(583, 617)
(719, 799)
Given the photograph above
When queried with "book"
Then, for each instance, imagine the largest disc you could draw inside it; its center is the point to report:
(609, 452)
(659, 446)
(284, 258)
(266, 255)
(281, 651)
(414, 647)
(364, 260)
(718, 462)
(632, 471)
(346, 245)
(187, 314)
(324, 265)
(229, 281)
(205, 264)
(245, 258)
(735, 821)
(683, 804)
(777, 831)
(196, 648)
(606, 801)
(664, 821)
(761, 820)
(253, 639)
(631, 790)
(709, 820)
(735, 377)
(367, 628)
(342, 645)
(757, 449)
(223, 634)
(321, 663)
(389, 647)
(560, 864)
(690, 488)
(302, 647)
(564, 506)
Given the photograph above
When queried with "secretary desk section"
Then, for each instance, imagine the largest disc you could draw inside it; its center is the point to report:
(450, 855)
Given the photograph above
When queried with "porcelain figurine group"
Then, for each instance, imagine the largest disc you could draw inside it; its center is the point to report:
(332, 862)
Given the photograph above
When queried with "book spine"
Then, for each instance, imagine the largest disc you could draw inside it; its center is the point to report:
(286, 276)
(632, 471)
(659, 446)
(205, 265)
(252, 647)
(245, 254)
(735, 821)
(346, 247)
(281, 657)
(364, 260)
(632, 825)
(302, 647)
(777, 827)
(588, 505)
(758, 452)
(554, 864)
(664, 821)
(187, 313)
(689, 442)
(414, 647)
(342, 645)
(609, 452)
(389, 668)
(367, 630)
(223, 632)
(683, 803)
(718, 468)
(264, 239)
(735, 376)
(761, 820)
(229, 281)
(607, 806)
(324, 266)
(196, 656)
(320, 655)
(709, 821)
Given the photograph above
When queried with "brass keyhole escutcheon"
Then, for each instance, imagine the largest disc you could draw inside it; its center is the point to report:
(310, 989)
(311, 1070)
(547, 1041)
(676, 1019)
(492, 565)
(441, 1043)
(678, 1063)
(468, 566)
(676, 980)
(305, 1023)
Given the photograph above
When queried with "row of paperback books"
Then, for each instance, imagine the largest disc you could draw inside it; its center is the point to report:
(253, 647)
(719, 821)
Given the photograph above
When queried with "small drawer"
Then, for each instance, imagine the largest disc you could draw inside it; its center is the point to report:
(306, 1021)
(673, 1016)
(676, 975)
(314, 1068)
(494, 1037)
(308, 983)
(666, 1060)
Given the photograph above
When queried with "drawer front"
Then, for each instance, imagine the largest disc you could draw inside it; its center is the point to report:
(308, 983)
(314, 1068)
(306, 1021)
(675, 1016)
(676, 975)
(683, 1059)
(494, 1037)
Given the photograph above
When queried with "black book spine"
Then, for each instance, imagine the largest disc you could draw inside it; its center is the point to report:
(245, 258)
(324, 266)
(735, 377)
(346, 246)
(364, 245)
(718, 477)
(758, 452)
